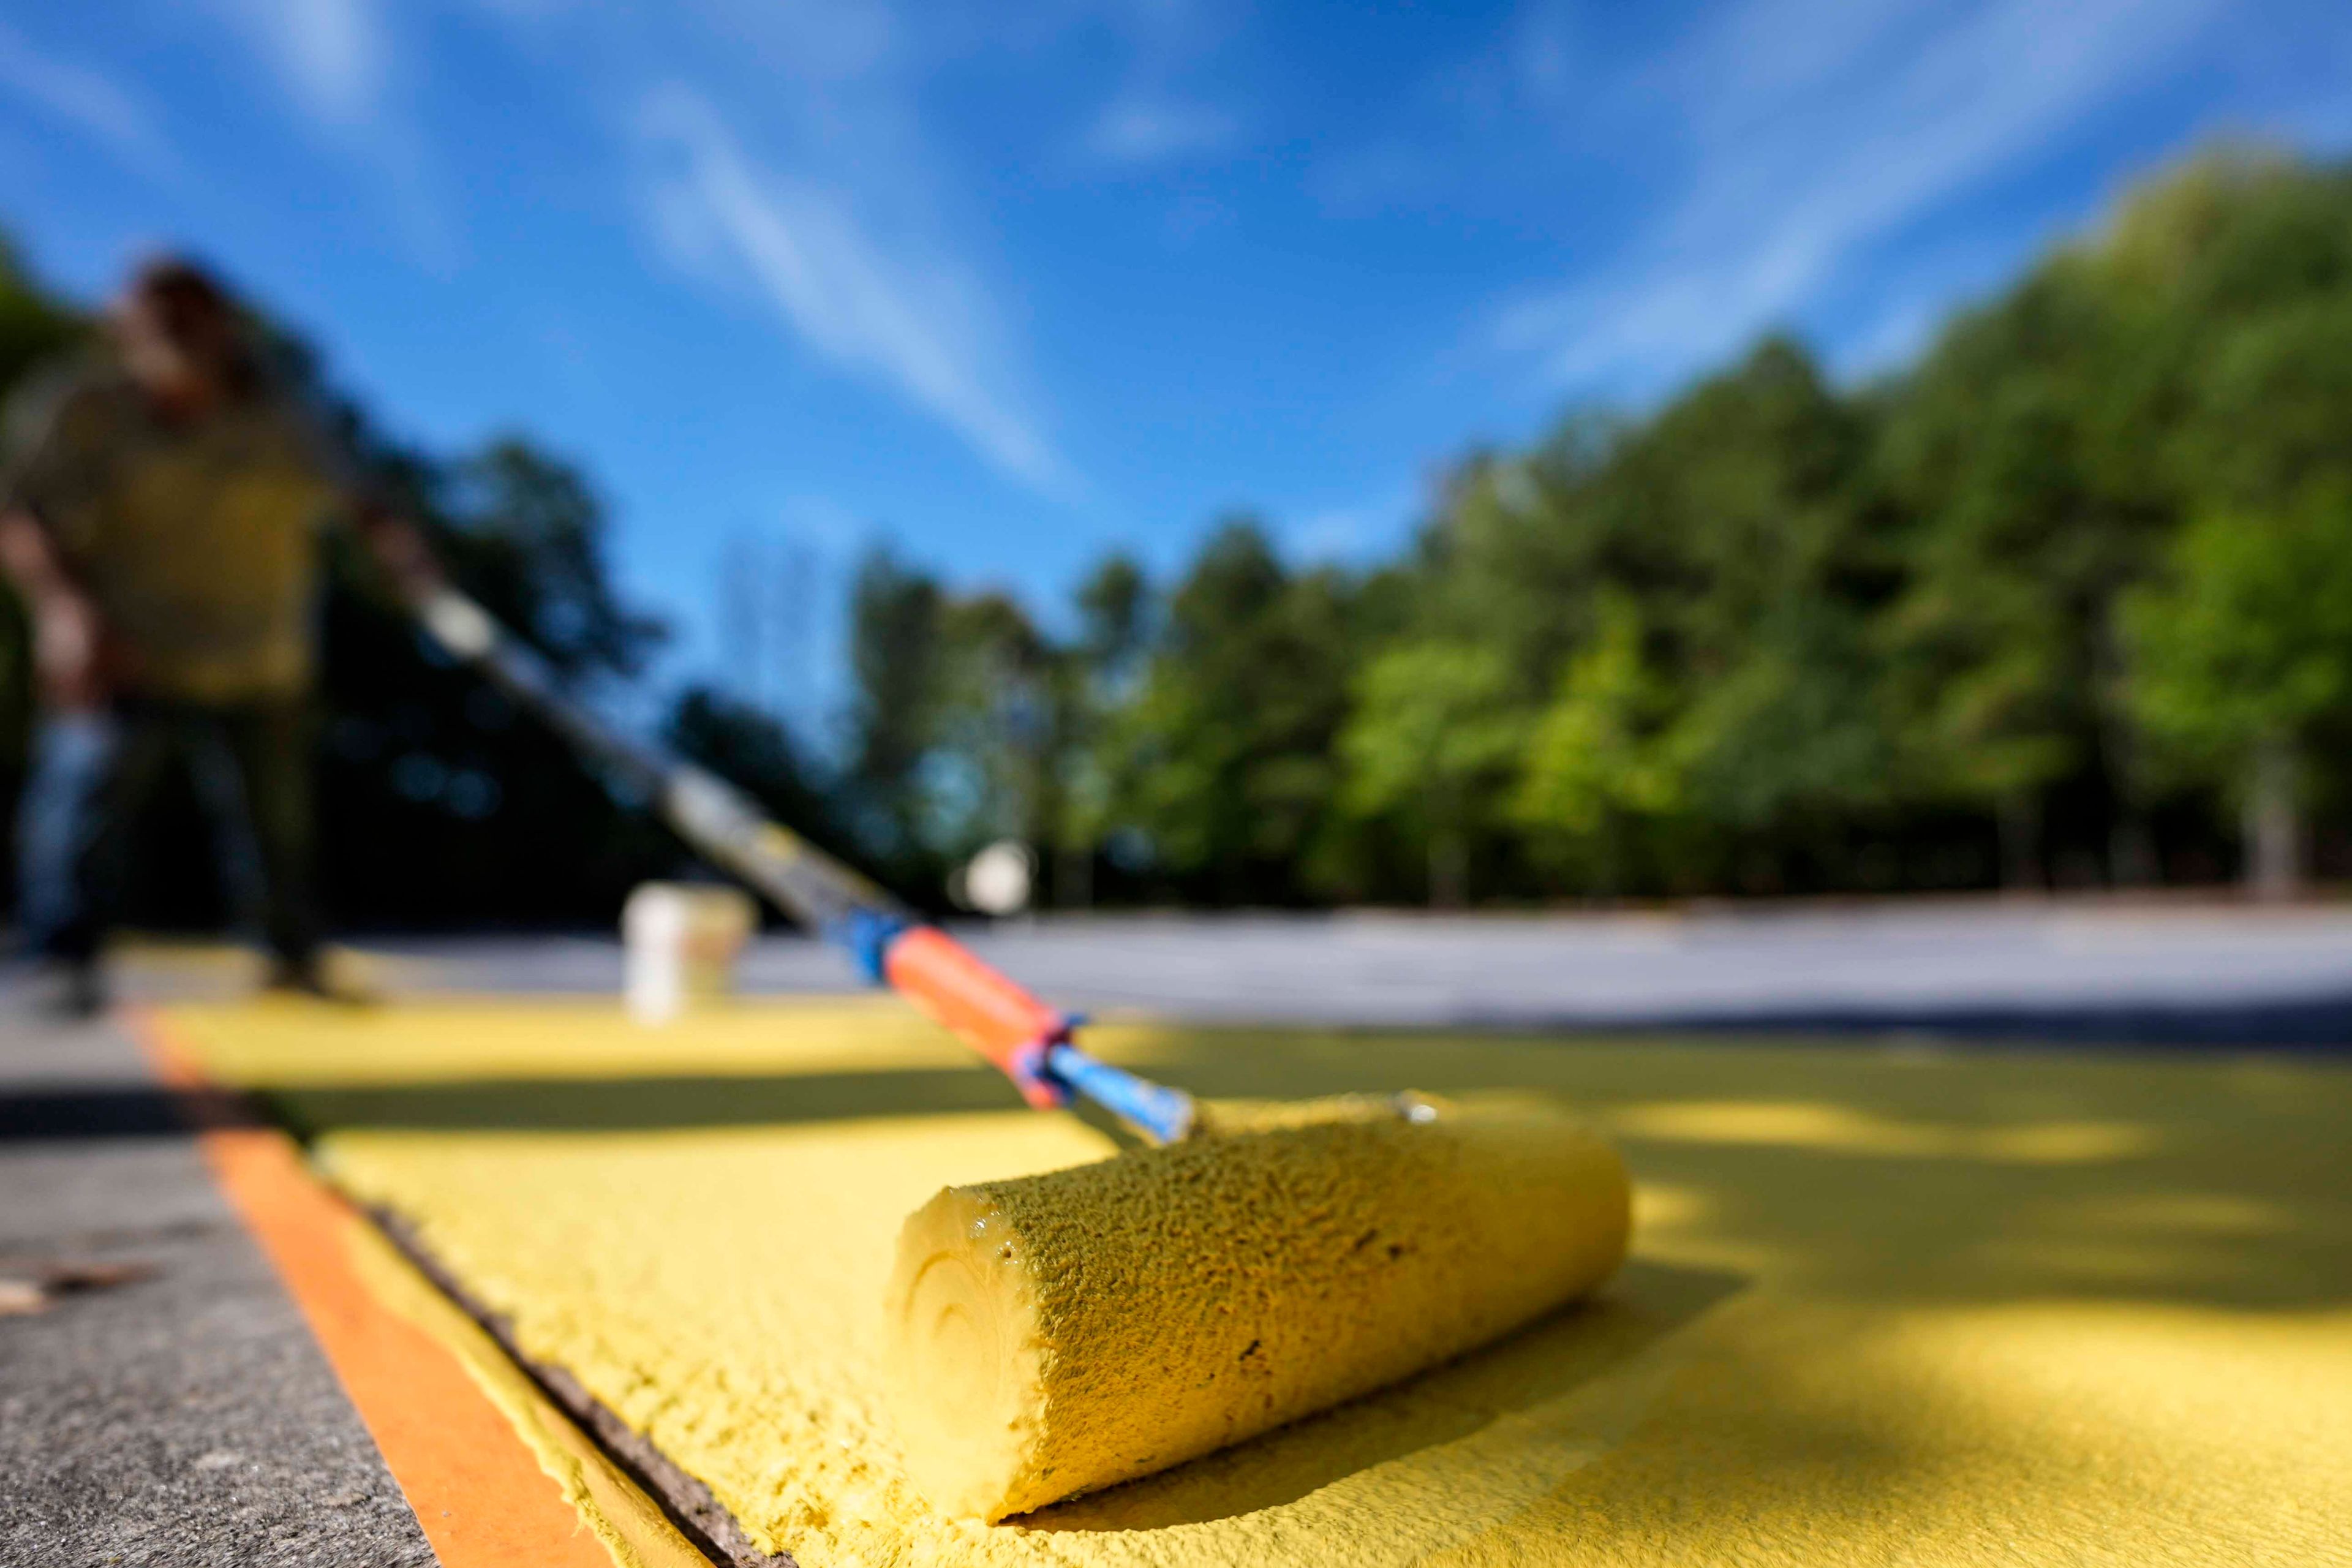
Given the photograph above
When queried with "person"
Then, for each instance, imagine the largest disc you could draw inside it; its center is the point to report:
(160, 510)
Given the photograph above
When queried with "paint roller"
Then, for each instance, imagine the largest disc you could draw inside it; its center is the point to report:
(1053, 1334)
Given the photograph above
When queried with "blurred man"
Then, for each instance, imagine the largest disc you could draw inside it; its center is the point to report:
(159, 513)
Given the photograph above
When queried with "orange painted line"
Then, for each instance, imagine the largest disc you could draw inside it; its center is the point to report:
(477, 1490)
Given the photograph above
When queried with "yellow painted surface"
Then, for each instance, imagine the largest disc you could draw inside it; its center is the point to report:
(631, 1526)
(291, 1042)
(1056, 1334)
(1940, 1308)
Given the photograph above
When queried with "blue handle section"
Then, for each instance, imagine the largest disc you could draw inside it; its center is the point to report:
(867, 935)
(1166, 1114)
(1050, 1070)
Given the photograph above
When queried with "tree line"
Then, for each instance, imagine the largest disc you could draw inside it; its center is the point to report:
(2066, 601)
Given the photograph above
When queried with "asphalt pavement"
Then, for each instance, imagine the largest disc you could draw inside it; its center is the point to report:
(2140, 973)
(181, 1415)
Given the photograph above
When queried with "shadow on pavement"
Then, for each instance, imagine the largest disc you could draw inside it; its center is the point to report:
(621, 1104)
(1548, 1359)
(110, 1111)
(2322, 1024)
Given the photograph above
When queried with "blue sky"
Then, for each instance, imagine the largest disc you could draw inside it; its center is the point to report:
(1018, 284)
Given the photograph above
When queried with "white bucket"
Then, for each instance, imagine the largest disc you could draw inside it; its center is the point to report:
(680, 941)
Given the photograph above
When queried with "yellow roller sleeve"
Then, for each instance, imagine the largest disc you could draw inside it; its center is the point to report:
(1053, 1334)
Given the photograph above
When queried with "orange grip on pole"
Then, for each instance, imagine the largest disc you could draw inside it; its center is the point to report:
(988, 1011)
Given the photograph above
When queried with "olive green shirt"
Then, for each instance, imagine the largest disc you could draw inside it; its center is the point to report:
(197, 541)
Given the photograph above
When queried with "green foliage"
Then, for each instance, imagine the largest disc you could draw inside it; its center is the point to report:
(1435, 722)
(999, 718)
(1437, 727)
(1598, 754)
(436, 799)
(754, 750)
(1226, 766)
(1114, 609)
(2015, 540)
(1096, 679)
(895, 662)
(33, 325)
(529, 531)
(2248, 637)
(1794, 728)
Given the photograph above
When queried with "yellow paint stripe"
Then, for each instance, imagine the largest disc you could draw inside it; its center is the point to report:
(292, 1043)
(498, 1476)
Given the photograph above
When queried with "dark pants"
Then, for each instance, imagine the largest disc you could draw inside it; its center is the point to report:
(94, 774)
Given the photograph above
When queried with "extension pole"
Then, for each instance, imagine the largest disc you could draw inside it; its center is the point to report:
(1028, 1041)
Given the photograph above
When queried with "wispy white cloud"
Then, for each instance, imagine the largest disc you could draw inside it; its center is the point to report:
(76, 96)
(1817, 130)
(1137, 130)
(337, 62)
(821, 42)
(905, 318)
(331, 54)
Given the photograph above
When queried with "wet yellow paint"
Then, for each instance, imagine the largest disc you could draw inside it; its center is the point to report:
(1940, 1309)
